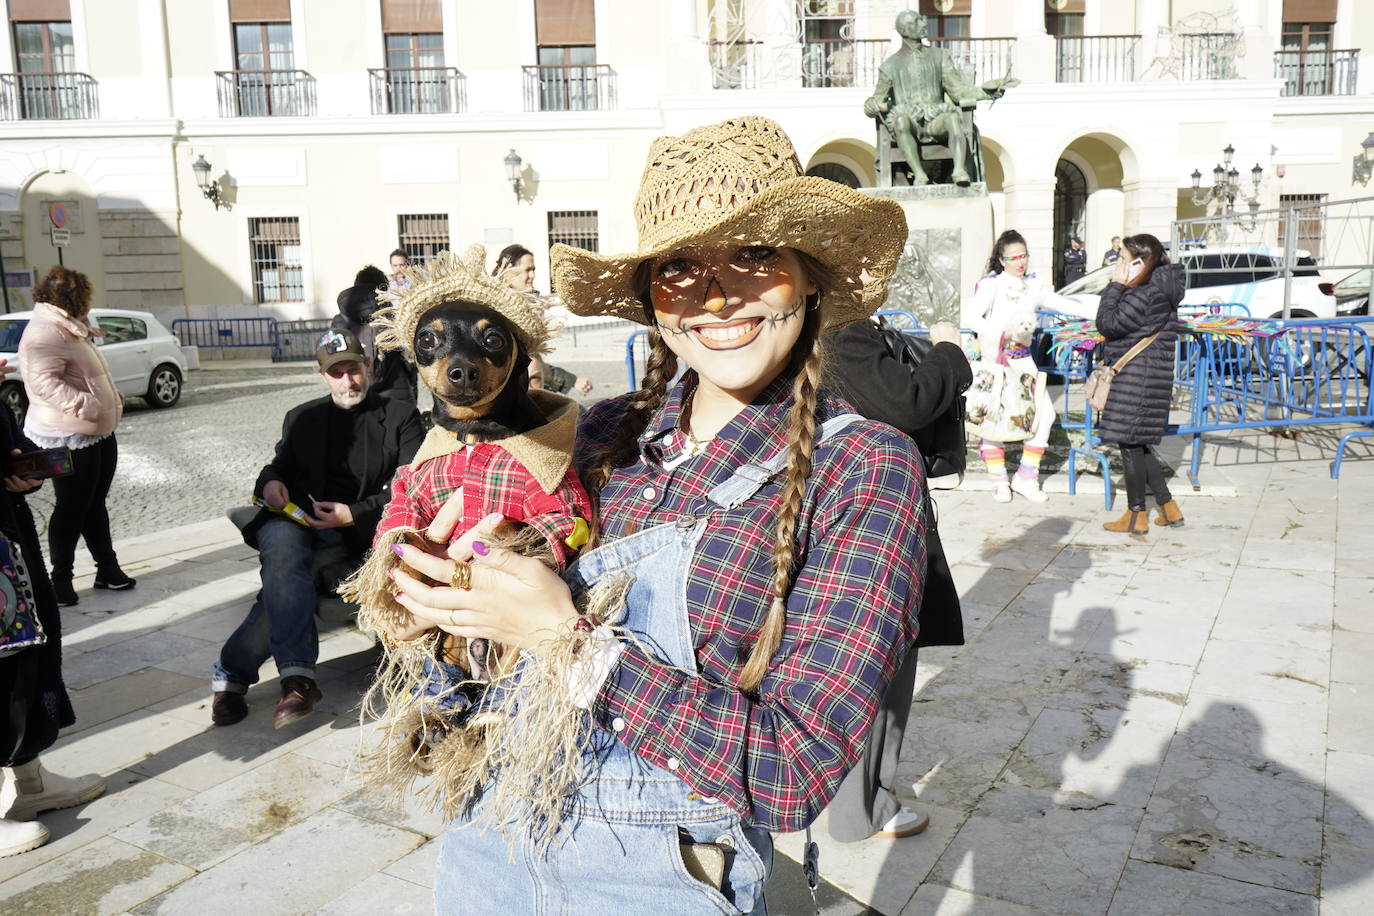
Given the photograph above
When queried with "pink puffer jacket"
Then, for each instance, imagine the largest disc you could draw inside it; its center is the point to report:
(67, 379)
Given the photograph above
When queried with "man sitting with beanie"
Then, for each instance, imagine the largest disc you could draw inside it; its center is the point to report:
(333, 467)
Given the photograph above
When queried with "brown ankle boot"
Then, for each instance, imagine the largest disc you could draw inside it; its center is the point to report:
(1169, 514)
(1135, 521)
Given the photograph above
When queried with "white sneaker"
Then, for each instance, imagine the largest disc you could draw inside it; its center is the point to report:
(1001, 492)
(904, 823)
(21, 836)
(1030, 489)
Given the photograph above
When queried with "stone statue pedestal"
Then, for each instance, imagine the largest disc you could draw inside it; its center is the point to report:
(948, 243)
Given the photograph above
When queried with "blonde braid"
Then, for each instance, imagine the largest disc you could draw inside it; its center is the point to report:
(801, 449)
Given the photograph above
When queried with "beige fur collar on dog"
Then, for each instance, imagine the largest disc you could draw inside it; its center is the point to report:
(545, 451)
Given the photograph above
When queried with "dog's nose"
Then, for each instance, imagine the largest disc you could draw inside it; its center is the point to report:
(463, 375)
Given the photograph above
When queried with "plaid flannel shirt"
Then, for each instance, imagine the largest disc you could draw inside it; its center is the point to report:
(776, 759)
(493, 480)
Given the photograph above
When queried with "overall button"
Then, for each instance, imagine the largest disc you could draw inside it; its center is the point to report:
(686, 522)
(617, 724)
(725, 840)
(648, 493)
(674, 763)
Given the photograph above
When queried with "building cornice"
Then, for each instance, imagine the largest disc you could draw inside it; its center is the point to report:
(1324, 106)
(96, 129)
(269, 129)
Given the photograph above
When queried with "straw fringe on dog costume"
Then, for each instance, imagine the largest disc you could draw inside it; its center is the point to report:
(524, 723)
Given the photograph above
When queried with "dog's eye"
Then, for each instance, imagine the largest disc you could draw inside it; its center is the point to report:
(494, 339)
(426, 340)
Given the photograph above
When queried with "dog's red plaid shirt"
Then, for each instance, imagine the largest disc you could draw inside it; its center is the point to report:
(493, 480)
(851, 615)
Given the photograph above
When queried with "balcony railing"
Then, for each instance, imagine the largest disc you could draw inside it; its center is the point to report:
(836, 62)
(48, 97)
(1207, 55)
(418, 90)
(573, 87)
(265, 93)
(1317, 72)
(1095, 58)
(734, 64)
(984, 58)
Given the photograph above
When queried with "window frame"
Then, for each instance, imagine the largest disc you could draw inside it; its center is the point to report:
(280, 262)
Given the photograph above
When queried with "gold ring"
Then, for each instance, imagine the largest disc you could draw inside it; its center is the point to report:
(432, 539)
(462, 575)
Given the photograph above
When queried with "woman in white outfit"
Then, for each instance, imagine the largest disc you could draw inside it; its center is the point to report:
(1002, 297)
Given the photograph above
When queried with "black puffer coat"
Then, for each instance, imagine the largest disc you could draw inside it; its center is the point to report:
(392, 376)
(1138, 408)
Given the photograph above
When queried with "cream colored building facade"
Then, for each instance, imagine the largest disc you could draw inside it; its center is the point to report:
(324, 160)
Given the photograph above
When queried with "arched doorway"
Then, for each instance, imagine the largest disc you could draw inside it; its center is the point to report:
(848, 161)
(1070, 210)
(835, 172)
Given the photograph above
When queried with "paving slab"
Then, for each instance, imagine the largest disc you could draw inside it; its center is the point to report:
(1350, 726)
(1023, 846)
(381, 894)
(1148, 889)
(113, 876)
(266, 878)
(1349, 815)
(938, 900)
(235, 815)
(129, 797)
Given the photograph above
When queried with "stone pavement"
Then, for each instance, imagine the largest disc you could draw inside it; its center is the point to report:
(1179, 724)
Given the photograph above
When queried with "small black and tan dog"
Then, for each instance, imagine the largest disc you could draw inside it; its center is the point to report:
(470, 358)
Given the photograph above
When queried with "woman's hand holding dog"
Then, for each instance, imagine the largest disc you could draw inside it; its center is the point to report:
(513, 599)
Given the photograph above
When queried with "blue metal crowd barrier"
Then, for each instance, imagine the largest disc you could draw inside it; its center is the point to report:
(226, 332)
(298, 339)
(1313, 372)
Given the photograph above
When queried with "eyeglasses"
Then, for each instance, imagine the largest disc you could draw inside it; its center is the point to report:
(1015, 257)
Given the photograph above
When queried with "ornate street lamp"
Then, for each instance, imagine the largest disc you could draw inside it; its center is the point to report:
(1226, 190)
(513, 163)
(207, 187)
(1364, 165)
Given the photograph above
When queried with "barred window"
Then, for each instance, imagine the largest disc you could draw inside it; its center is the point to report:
(1311, 215)
(422, 235)
(577, 228)
(276, 245)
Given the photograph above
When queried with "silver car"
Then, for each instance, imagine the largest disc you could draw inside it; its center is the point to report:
(145, 359)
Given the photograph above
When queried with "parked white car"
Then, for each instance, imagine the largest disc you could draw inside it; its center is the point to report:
(1250, 277)
(145, 359)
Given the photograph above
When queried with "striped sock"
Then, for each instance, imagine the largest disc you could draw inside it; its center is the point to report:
(1030, 462)
(995, 457)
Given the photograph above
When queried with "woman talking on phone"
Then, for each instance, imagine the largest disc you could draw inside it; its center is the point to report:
(73, 402)
(1141, 303)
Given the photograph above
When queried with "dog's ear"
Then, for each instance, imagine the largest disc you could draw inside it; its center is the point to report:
(520, 374)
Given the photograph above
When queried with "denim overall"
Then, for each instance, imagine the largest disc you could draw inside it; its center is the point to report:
(619, 852)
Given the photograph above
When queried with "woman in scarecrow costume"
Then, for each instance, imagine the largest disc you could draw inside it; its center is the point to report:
(772, 539)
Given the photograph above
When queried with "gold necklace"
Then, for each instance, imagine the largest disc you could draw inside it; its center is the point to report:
(695, 446)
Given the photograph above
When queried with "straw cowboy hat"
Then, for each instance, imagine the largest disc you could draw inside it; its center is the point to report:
(448, 278)
(739, 183)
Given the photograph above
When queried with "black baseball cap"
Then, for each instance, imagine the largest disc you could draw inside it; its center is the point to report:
(338, 346)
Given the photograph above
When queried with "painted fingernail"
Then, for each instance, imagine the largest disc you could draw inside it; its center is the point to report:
(480, 549)
(398, 550)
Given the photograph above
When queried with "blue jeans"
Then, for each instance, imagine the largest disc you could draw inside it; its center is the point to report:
(282, 621)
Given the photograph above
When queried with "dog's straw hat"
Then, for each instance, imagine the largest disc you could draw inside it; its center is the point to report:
(448, 278)
(739, 183)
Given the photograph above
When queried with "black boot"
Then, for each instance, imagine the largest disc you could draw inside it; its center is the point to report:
(113, 578)
(66, 595)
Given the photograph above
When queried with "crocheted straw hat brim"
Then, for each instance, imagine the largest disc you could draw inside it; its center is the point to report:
(858, 238)
(448, 278)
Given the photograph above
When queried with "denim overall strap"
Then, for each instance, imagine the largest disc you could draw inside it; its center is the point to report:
(749, 479)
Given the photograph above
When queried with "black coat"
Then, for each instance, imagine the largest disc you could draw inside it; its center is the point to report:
(863, 371)
(390, 439)
(1075, 263)
(1138, 406)
(35, 704)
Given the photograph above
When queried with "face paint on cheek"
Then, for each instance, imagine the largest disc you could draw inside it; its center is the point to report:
(784, 317)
